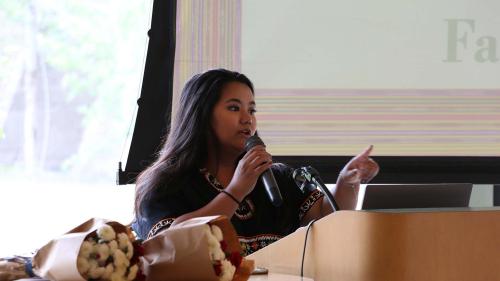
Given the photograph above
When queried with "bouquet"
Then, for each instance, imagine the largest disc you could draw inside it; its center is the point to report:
(107, 255)
(205, 248)
(95, 250)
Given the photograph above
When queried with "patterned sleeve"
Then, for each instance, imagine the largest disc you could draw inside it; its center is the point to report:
(308, 202)
(301, 201)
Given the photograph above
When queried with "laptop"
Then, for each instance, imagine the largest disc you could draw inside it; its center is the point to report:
(413, 196)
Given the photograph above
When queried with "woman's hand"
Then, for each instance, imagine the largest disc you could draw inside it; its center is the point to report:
(249, 168)
(361, 169)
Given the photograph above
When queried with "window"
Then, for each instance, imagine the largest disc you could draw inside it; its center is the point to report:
(69, 78)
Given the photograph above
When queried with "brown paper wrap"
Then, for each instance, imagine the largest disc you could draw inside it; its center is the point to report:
(181, 252)
(57, 259)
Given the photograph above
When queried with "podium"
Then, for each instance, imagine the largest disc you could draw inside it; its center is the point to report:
(392, 245)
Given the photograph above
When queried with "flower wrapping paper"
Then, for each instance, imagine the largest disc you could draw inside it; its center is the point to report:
(57, 260)
(182, 252)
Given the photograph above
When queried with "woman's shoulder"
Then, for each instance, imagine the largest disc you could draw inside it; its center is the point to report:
(282, 170)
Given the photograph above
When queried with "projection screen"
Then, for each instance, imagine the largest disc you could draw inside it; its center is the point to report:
(414, 78)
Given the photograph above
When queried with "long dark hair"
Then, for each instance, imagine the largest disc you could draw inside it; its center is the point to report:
(185, 147)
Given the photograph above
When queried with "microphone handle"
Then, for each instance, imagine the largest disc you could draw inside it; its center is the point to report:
(271, 187)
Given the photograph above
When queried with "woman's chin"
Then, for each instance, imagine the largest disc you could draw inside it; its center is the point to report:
(240, 149)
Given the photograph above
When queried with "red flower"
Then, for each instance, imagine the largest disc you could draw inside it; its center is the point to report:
(218, 268)
(140, 276)
(138, 249)
(138, 252)
(235, 259)
(223, 245)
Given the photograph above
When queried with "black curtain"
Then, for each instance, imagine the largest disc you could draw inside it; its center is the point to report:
(155, 102)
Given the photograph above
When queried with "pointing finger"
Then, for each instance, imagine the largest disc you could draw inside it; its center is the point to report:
(367, 151)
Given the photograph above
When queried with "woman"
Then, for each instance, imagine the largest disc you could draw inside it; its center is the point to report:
(203, 169)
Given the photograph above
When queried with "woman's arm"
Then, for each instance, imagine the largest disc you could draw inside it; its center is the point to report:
(361, 168)
(256, 161)
(222, 204)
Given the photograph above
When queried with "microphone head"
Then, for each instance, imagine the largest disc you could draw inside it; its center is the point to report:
(298, 175)
(302, 179)
(253, 141)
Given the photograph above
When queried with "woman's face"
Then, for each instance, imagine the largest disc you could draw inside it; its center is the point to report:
(233, 117)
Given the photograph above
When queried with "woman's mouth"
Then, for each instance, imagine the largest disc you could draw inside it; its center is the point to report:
(245, 132)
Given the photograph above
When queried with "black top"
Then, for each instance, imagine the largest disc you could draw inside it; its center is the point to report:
(257, 222)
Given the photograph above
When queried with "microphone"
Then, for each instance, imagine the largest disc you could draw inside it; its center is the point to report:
(308, 179)
(267, 177)
(303, 179)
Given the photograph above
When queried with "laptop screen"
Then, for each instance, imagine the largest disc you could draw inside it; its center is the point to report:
(410, 196)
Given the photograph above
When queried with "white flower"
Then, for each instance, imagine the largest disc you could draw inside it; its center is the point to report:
(228, 271)
(121, 270)
(120, 259)
(94, 260)
(103, 251)
(117, 277)
(86, 249)
(206, 230)
(132, 272)
(130, 250)
(213, 244)
(122, 241)
(212, 241)
(95, 271)
(218, 254)
(93, 264)
(113, 246)
(106, 233)
(214, 249)
(109, 270)
(217, 232)
(83, 265)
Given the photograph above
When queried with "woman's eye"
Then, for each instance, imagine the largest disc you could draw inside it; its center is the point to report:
(253, 111)
(233, 108)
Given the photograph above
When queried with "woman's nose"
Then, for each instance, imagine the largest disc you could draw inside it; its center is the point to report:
(246, 118)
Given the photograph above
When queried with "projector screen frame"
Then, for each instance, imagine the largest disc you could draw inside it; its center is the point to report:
(155, 105)
(410, 169)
